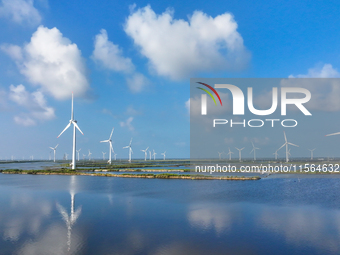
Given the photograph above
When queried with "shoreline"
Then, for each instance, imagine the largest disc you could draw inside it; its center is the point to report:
(145, 176)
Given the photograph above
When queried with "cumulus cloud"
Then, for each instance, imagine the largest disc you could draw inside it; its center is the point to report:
(325, 92)
(34, 104)
(109, 55)
(137, 82)
(51, 62)
(179, 48)
(20, 11)
(127, 123)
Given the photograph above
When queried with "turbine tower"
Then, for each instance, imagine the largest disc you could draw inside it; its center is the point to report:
(54, 149)
(74, 122)
(239, 153)
(163, 155)
(154, 155)
(145, 152)
(150, 154)
(254, 150)
(78, 153)
(229, 153)
(286, 144)
(130, 150)
(276, 154)
(89, 155)
(111, 148)
(311, 153)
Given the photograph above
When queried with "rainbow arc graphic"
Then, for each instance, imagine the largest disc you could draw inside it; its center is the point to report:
(209, 93)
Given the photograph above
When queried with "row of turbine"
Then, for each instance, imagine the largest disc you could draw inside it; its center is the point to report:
(276, 154)
(75, 125)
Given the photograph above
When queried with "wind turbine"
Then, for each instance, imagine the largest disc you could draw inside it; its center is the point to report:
(130, 150)
(254, 150)
(163, 155)
(110, 143)
(78, 153)
(89, 155)
(286, 144)
(154, 155)
(71, 219)
(75, 125)
(229, 153)
(66, 155)
(84, 156)
(150, 154)
(276, 154)
(54, 149)
(114, 154)
(145, 152)
(219, 154)
(311, 152)
(104, 155)
(239, 153)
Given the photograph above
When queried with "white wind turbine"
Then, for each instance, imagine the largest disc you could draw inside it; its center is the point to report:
(286, 144)
(74, 122)
(89, 155)
(229, 153)
(54, 149)
(220, 154)
(66, 155)
(163, 155)
(150, 154)
(145, 152)
(276, 154)
(254, 150)
(130, 150)
(114, 154)
(84, 156)
(78, 153)
(311, 153)
(154, 155)
(110, 143)
(239, 153)
(104, 155)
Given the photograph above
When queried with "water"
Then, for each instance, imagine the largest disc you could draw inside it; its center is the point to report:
(38, 165)
(154, 216)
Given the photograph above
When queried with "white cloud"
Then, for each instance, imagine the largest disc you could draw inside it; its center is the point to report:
(20, 11)
(179, 48)
(127, 123)
(109, 55)
(53, 63)
(187, 105)
(34, 103)
(13, 51)
(325, 92)
(326, 71)
(137, 82)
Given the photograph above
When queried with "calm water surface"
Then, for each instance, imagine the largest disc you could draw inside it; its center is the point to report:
(103, 215)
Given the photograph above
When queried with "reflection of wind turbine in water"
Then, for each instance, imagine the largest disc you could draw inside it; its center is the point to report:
(71, 219)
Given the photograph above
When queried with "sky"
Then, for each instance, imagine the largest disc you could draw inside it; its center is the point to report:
(129, 66)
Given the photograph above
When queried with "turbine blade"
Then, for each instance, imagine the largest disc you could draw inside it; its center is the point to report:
(251, 151)
(111, 133)
(72, 107)
(74, 123)
(130, 142)
(56, 146)
(147, 148)
(105, 141)
(284, 133)
(68, 125)
(125, 147)
(51, 148)
(334, 134)
(282, 146)
(293, 144)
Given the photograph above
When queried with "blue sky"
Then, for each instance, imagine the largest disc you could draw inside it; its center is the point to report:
(130, 64)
